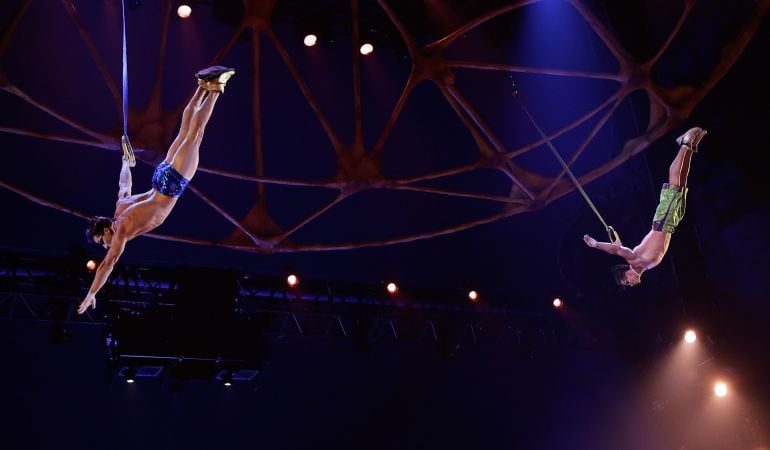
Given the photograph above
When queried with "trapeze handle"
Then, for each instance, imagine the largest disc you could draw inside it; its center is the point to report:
(128, 151)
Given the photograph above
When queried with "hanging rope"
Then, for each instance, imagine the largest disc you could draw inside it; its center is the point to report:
(128, 151)
(613, 236)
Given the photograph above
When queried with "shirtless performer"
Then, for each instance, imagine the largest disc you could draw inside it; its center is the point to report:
(649, 253)
(140, 213)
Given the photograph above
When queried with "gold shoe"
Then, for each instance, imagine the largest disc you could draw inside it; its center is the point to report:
(214, 78)
(691, 138)
(211, 86)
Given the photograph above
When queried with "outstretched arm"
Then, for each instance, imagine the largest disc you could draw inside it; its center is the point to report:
(124, 183)
(103, 272)
(613, 248)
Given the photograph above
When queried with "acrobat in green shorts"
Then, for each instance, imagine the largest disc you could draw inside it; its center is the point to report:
(670, 210)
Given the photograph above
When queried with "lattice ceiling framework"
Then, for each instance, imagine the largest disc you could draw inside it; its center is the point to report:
(358, 167)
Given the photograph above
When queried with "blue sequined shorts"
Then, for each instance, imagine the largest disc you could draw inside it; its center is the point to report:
(168, 181)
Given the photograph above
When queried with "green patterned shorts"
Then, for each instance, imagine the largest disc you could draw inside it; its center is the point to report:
(670, 210)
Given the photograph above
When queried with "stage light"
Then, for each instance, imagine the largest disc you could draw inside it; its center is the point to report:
(367, 48)
(130, 374)
(557, 303)
(473, 296)
(292, 280)
(392, 288)
(720, 389)
(310, 40)
(690, 336)
(227, 378)
(91, 265)
(184, 11)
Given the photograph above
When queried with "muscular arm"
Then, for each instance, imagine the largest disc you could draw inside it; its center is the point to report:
(615, 248)
(124, 183)
(103, 272)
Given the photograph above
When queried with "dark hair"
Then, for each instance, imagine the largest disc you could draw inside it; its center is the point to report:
(96, 227)
(619, 273)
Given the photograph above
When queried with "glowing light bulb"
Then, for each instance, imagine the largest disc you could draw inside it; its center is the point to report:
(473, 296)
(184, 11)
(690, 337)
(557, 303)
(292, 280)
(129, 373)
(91, 265)
(720, 389)
(310, 40)
(392, 288)
(367, 48)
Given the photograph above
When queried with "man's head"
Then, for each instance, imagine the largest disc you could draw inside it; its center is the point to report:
(625, 275)
(100, 231)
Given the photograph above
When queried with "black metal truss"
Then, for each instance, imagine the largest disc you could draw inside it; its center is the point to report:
(47, 288)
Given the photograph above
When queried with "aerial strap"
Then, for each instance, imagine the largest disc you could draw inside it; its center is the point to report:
(613, 236)
(128, 151)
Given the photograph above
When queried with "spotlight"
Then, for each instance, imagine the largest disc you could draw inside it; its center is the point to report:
(227, 378)
(91, 265)
(557, 303)
(184, 11)
(292, 280)
(473, 296)
(392, 288)
(310, 40)
(130, 374)
(690, 337)
(720, 389)
(367, 48)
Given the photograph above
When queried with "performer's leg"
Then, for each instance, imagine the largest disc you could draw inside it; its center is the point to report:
(184, 126)
(185, 159)
(680, 167)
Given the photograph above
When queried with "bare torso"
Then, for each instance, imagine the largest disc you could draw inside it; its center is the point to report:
(140, 213)
(650, 252)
